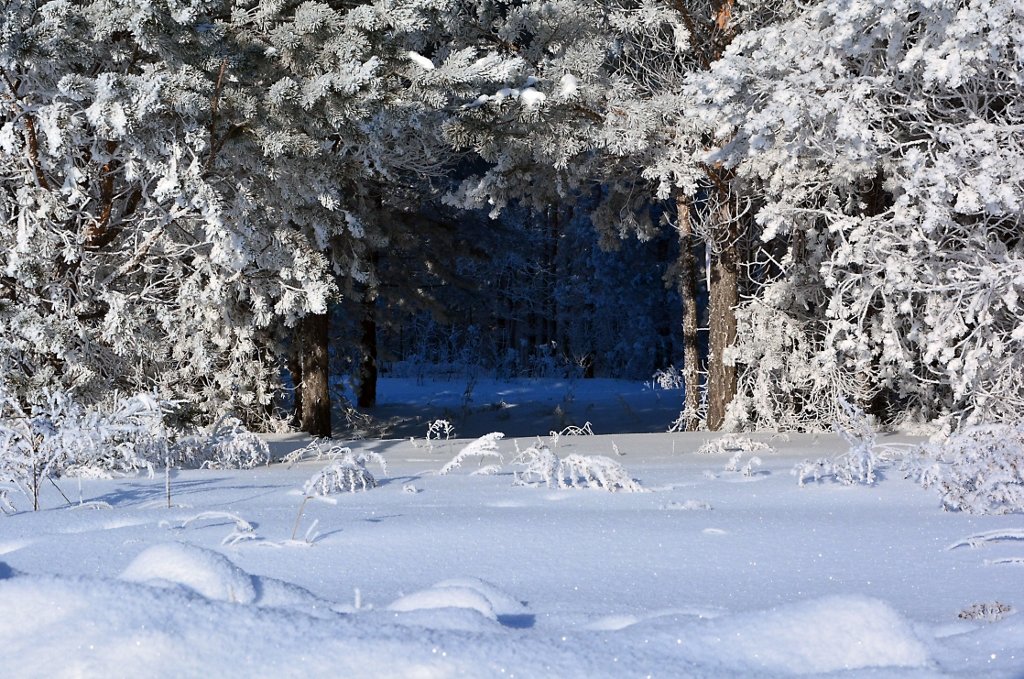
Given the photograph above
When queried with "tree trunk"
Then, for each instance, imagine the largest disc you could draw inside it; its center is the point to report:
(875, 399)
(724, 296)
(294, 365)
(314, 336)
(686, 270)
(367, 386)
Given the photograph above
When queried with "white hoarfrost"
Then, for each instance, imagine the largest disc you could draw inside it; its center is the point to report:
(483, 447)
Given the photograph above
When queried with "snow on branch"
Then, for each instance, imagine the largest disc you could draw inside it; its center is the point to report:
(242, 530)
(978, 539)
(979, 470)
(484, 447)
(732, 443)
(542, 466)
(346, 472)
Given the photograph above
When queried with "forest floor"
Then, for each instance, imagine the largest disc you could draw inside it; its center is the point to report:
(710, 573)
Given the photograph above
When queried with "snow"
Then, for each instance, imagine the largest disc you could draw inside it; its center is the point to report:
(421, 61)
(475, 576)
(206, 572)
(568, 86)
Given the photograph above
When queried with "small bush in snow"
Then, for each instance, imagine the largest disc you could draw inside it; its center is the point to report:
(318, 449)
(732, 443)
(856, 466)
(540, 465)
(668, 378)
(988, 612)
(979, 470)
(59, 436)
(226, 444)
(595, 471)
(347, 472)
(438, 429)
(485, 446)
(574, 471)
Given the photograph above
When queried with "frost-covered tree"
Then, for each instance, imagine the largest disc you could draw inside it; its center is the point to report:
(185, 181)
(135, 252)
(885, 140)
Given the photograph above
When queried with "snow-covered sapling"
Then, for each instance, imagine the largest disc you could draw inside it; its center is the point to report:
(980, 470)
(595, 471)
(346, 472)
(438, 429)
(732, 443)
(858, 465)
(541, 465)
(226, 444)
(485, 446)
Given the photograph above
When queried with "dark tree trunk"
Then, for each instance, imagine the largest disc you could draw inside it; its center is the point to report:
(686, 271)
(314, 334)
(294, 365)
(367, 384)
(877, 398)
(724, 296)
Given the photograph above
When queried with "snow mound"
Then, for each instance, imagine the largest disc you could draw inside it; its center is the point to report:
(502, 603)
(450, 596)
(204, 571)
(811, 637)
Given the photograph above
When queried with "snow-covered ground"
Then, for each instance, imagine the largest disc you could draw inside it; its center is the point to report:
(710, 573)
(524, 407)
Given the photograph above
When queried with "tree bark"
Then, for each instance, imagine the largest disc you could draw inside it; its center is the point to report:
(367, 387)
(724, 296)
(686, 271)
(294, 365)
(875, 399)
(314, 336)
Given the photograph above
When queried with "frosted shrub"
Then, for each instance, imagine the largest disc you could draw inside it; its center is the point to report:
(60, 437)
(851, 468)
(346, 472)
(668, 378)
(439, 430)
(987, 612)
(982, 469)
(732, 443)
(316, 450)
(595, 471)
(541, 466)
(226, 444)
(485, 446)
(571, 430)
(856, 466)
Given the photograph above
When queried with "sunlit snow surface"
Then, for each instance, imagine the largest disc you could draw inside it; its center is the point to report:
(708, 574)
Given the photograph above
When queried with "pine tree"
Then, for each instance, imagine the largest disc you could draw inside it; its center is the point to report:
(884, 139)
